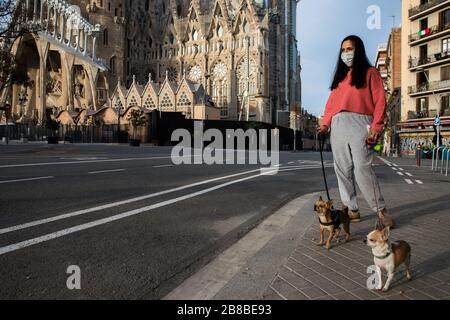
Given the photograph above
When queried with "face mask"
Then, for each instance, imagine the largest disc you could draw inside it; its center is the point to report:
(348, 57)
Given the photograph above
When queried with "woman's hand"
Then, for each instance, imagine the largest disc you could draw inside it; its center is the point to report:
(373, 137)
(323, 130)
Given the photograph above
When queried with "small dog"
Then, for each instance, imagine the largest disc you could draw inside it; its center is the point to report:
(388, 257)
(331, 220)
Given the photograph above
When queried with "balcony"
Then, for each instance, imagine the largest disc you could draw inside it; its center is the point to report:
(428, 34)
(429, 61)
(427, 88)
(424, 9)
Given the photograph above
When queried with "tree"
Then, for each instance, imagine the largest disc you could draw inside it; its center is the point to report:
(136, 119)
(13, 25)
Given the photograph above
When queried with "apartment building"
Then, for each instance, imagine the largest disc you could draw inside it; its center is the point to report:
(388, 62)
(425, 68)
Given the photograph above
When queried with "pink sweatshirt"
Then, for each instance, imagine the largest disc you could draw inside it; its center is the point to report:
(369, 100)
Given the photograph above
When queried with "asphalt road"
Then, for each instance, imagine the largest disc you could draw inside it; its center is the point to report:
(134, 223)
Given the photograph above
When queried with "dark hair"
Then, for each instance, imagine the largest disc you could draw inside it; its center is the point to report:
(360, 65)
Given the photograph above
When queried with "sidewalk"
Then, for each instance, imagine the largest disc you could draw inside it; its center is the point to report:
(289, 265)
(422, 213)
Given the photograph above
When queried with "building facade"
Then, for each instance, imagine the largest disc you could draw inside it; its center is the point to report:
(388, 62)
(425, 72)
(242, 52)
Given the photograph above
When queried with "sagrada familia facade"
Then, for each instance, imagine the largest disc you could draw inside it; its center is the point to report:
(215, 59)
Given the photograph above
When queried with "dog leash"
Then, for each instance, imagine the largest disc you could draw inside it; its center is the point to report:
(321, 145)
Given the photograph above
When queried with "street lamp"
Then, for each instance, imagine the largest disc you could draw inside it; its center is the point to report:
(118, 109)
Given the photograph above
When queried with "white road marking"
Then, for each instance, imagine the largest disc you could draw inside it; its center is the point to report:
(77, 162)
(400, 174)
(401, 169)
(294, 168)
(27, 179)
(395, 169)
(163, 166)
(385, 161)
(64, 232)
(395, 165)
(105, 171)
(408, 174)
(419, 182)
(116, 204)
(409, 181)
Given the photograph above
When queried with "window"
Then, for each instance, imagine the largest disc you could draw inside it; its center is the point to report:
(445, 18)
(101, 95)
(445, 105)
(423, 24)
(446, 45)
(445, 73)
(112, 65)
(101, 3)
(422, 107)
(423, 54)
(105, 37)
(422, 78)
(109, 6)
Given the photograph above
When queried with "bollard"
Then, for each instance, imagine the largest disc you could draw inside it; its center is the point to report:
(418, 155)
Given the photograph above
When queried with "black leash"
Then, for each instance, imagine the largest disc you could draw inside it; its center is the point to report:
(322, 138)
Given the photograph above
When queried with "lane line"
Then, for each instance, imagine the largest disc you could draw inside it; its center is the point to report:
(409, 181)
(400, 174)
(84, 226)
(401, 169)
(164, 166)
(26, 179)
(127, 201)
(408, 174)
(78, 162)
(395, 169)
(105, 171)
(419, 182)
(117, 203)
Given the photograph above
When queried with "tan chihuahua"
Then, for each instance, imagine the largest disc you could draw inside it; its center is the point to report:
(388, 257)
(331, 220)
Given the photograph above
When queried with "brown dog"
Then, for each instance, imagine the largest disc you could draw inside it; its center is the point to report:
(388, 257)
(331, 220)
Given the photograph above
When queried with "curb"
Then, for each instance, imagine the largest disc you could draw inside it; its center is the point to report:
(246, 269)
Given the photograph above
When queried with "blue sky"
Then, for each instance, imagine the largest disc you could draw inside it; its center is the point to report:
(321, 26)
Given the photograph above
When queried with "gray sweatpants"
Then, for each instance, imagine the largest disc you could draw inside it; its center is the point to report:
(353, 160)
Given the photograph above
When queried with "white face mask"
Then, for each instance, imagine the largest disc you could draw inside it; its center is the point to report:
(348, 57)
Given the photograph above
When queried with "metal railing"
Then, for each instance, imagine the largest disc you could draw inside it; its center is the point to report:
(431, 86)
(420, 8)
(440, 56)
(433, 30)
(435, 159)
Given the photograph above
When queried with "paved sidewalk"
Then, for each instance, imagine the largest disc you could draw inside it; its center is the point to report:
(421, 207)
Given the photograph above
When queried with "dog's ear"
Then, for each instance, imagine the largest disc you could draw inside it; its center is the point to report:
(330, 203)
(320, 198)
(386, 232)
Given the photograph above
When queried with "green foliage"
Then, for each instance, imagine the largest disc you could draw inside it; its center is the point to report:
(136, 119)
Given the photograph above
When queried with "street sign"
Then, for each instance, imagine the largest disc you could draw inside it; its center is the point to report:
(437, 121)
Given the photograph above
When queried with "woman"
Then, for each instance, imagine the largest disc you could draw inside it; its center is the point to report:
(355, 115)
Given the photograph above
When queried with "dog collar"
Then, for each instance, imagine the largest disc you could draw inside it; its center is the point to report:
(385, 256)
